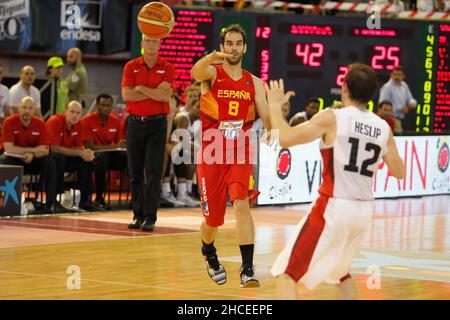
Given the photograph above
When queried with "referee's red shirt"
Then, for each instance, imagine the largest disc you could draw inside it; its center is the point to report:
(136, 73)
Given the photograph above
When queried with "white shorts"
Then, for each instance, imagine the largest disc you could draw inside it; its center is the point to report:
(325, 242)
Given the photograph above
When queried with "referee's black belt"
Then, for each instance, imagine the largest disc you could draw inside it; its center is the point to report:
(147, 118)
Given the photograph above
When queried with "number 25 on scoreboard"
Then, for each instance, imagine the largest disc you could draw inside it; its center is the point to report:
(382, 54)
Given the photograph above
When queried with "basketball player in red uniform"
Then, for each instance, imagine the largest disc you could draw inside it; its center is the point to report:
(230, 96)
(353, 141)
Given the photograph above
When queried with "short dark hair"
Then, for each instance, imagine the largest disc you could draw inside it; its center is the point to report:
(104, 96)
(398, 68)
(312, 100)
(233, 28)
(361, 82)
(382, 103)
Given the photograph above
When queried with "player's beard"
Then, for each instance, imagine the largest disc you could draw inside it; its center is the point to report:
(234, 61)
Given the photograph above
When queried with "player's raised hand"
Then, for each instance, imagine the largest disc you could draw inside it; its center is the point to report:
(275, 93)
(218, 57)
(268, 138)
(289, 94)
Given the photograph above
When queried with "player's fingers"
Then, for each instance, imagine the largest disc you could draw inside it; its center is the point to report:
(275, 84)
(290, 94)
(281, 85)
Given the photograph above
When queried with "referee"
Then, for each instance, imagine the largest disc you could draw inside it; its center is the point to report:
(146, 89)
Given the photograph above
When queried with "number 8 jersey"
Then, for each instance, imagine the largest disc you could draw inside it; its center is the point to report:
(351, 161)
(229, 107)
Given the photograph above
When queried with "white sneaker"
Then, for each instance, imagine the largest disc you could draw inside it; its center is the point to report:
(171, 198)
(188, 201)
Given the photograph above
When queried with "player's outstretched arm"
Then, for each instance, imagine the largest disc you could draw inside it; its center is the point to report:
(322, 123)
(203, 69)
(393, 160)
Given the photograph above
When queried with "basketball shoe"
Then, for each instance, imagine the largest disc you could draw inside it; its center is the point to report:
(169, 197)
(248, 279)
(215, 270)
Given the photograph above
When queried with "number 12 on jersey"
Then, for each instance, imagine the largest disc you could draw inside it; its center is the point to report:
(233, 108)
(352, 167)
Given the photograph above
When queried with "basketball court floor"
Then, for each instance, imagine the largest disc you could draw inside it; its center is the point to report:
(405, 255)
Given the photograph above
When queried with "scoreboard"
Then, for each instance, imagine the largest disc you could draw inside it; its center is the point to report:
(312, 54)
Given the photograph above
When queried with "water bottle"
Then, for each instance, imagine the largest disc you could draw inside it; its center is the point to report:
(23, 210)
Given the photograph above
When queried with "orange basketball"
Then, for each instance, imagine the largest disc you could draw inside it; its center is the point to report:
(155, 20)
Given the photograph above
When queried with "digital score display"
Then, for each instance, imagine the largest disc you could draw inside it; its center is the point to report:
(442, 99)
(383, 57)
(317, 51)
(263, 34)
(433, 110)
(307, 54)
(190, 38)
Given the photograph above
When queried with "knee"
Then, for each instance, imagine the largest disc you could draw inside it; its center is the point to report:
(101, 163)
(59, 160)
(211, 224)
(49, 163)
(241, 206)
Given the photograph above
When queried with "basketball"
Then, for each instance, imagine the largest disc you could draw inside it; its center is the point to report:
(155, 20)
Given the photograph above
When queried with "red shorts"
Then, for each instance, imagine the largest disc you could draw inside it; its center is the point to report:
(215, 180)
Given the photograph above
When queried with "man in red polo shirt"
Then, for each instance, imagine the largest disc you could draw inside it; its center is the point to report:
(146, 89)
(25, 135)
(66, 144)
(102, 135)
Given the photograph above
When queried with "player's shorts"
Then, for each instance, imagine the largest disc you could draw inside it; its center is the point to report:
(325, 242)
(215, 181)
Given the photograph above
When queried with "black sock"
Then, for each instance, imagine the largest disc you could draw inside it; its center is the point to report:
(208, 248)
(247, 255)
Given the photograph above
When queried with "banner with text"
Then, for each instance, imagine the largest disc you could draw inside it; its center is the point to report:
(293, 175)
(95, 26)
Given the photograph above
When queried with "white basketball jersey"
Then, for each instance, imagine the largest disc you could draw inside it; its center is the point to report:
(351, 161)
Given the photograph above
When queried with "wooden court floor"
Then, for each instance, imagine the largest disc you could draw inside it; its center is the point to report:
(405, 255)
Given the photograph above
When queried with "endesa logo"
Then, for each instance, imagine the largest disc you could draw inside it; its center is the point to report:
(284, 163)
(81, 19)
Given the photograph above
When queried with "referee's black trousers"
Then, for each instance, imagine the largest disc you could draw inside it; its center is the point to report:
(146, 142)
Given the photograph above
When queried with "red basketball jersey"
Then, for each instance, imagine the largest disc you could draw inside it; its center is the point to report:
(229, 107)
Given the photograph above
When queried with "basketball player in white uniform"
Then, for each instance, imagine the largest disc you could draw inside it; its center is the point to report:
(353, 142)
